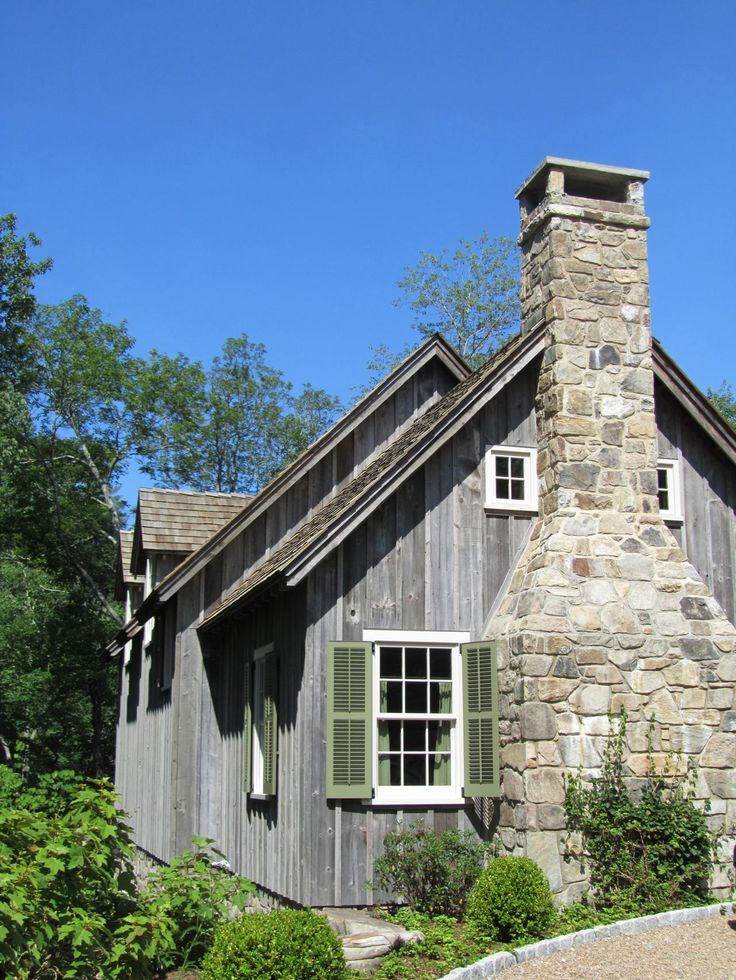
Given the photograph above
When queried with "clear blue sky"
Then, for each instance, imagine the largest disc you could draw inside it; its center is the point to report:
(203, 169)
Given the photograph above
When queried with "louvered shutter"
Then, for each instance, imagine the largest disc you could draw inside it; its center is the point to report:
(270, 726)
(480, 720)
(349, 721)
(247, 728)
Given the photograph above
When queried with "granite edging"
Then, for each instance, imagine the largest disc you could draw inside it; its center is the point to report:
(491, 965)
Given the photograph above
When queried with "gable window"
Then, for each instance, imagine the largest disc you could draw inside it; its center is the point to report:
(668, 490)
(412, 719)
(260, 724)
(511, 479)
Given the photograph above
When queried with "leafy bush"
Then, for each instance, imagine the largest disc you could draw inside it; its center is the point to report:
(197, 896)
(647, 854)
(432, 873)
(68, 902)
(511, 901)
(67, 889)
(288, 944)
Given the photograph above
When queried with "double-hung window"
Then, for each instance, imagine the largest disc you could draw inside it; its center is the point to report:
(260, 747)
(511, 479)
(412, 719)
(669, 491)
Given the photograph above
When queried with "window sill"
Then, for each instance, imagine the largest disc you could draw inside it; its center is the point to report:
(672, 520)
(261, 797)
(401, 803)
(504, 508)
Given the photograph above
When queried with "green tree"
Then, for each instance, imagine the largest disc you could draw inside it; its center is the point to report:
(470, 296)
(229, 428)
(17, 301)
(724, 400)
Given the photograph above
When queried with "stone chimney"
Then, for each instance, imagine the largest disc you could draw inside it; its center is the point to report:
(604, 610)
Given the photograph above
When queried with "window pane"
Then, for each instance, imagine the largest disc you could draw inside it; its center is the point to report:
(662, 479)
(502, 489)
(389, 736)
(416, 662)
(517, 489)
(438, 736)
(517, 467)
(389, 770)
(440, 697)
(415, 770)
(390, 661)
(439, 770)
(664, 499)
(391, 696)
(414, 736)
(440, 663)
(416, 697)
(502, 466)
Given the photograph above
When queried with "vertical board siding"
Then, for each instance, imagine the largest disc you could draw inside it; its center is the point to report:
(430, 557)
(708, 534)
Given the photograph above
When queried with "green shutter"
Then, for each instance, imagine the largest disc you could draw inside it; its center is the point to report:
(480, 720)
(349, 721)
(247, 728)
(270, 726)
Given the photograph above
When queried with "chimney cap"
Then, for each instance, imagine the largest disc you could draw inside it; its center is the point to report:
(601, 173)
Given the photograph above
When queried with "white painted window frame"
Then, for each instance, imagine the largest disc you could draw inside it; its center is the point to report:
(259, 659)
(674, 514)
(426, 796)
(530, 503)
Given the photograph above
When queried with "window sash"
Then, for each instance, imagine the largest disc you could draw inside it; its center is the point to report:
(510, 487)
(669, 487)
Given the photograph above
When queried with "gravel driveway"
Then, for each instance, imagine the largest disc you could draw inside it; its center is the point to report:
(703, 950)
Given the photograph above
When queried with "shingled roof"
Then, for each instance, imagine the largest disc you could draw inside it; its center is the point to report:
(180, 520)
(379, 478)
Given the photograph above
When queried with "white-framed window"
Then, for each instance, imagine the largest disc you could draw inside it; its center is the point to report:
(511, 478)
(669, 490)
(417, 713)
(264, 723)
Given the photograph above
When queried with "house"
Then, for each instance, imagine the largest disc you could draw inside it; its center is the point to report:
(431, 613)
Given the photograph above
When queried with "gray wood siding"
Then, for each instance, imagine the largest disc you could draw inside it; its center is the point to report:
(431, 558)
(708, 534)
(328, 475)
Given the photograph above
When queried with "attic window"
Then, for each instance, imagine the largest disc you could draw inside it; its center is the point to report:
(511, 479)
(668, 490)
(595, 190)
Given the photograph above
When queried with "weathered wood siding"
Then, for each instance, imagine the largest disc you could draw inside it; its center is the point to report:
(143, 752)
(708, 534)
(430, 558)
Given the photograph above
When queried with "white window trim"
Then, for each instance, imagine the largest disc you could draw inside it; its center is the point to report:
(674, 513)
(530, 503)
(148, 587)
(259, 655)
(403, 796)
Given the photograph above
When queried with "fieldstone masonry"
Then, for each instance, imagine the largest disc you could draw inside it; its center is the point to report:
(604, 610)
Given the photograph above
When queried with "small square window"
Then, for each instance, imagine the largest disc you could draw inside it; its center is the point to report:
(669, 490)
(511, 479)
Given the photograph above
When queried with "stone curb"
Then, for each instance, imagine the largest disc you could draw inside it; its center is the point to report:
(491, 965)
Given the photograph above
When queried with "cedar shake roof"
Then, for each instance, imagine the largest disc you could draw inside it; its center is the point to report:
(180, 520)
(380, 472)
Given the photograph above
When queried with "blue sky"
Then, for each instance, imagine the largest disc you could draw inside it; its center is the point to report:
(204, 169)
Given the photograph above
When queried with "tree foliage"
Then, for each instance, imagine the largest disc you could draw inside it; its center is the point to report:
(724, 399)
(18, 272)
(78, 408)
(470, 296)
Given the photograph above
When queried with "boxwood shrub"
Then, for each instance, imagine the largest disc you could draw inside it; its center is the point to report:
(285, 944)
(511, 901)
